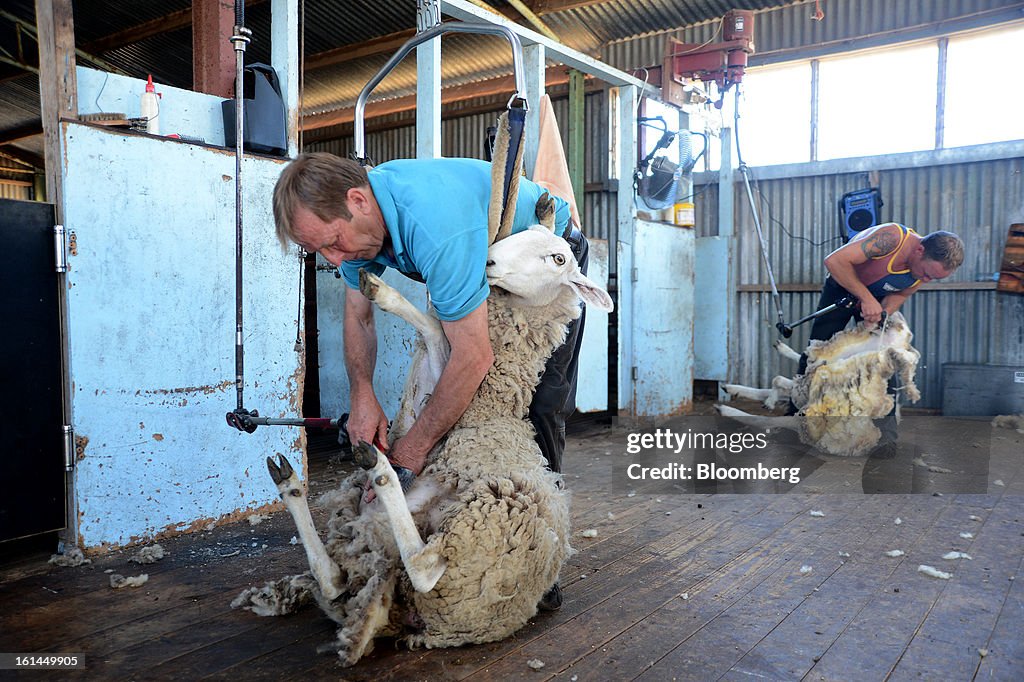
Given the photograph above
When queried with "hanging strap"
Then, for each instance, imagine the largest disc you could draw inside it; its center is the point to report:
(506, 169)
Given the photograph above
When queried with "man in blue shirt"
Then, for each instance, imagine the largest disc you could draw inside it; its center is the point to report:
(428, 219)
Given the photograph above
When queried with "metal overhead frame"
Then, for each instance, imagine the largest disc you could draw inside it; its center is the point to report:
(530, 81)
(537, 49)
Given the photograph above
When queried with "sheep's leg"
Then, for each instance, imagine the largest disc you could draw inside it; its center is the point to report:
(427, 365)
(791, 423)
(423, 563)
(783, 349)
(741, 391)
(780, 391)
(326, 572)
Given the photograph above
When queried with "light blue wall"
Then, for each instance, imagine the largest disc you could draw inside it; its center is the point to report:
(394, 344)
(151, 325)
(188, 113)
(711, 337)
(662, 338)
(592, 386)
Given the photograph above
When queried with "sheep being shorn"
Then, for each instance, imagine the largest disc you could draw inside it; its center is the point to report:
(481, 535)
(844, 388)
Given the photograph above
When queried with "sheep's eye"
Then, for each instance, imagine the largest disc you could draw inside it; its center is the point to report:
(558, 258)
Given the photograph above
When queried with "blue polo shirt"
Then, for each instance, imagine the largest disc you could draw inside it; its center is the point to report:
(436, 215)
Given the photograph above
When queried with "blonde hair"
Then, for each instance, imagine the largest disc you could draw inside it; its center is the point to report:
(318, 181)
(944, 247)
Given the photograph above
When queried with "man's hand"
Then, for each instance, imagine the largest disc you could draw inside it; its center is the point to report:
(367, 421)
(870, 309)
(471, 357)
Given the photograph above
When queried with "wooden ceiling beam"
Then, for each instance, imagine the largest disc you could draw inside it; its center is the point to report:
(541, 7)
(555, 75)
(147, 29)
(21, 132)
(22, 156)
(348, 53)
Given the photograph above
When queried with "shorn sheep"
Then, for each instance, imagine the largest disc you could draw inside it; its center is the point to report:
(484, 529)
(844, 388)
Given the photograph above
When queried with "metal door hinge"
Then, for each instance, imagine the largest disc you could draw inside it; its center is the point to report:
(634, 373)
(636, 275)
(69, 447)
(60, 246)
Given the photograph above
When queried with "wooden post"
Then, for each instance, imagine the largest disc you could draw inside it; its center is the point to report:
(58, 90)
(58, 99)
(213, 56)
(577, 128)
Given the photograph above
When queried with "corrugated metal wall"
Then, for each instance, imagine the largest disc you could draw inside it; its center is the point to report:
(464, 137)
(14, 189)
(792, 27)
(15, 192)
(800, 219)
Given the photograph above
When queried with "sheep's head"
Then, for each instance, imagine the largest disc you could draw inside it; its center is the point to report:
(535, 264)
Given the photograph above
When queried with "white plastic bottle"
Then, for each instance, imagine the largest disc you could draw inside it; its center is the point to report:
(151, 108)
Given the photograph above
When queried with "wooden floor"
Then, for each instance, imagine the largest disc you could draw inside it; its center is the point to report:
(676, 586)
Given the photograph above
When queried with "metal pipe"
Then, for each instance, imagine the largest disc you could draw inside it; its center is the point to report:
(240, 39)
(418, 39)
(764, 247)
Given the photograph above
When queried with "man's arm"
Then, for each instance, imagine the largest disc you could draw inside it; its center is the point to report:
(892, 302)
(470, 359)
(366, 419)
(882, 241)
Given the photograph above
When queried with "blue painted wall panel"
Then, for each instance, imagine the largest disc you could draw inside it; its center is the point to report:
(394, 344)
(592, 385)
(711, 335)
(181, 111)
(663, 297)
(151, 325)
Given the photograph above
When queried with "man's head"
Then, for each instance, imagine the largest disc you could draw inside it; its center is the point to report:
(937, 256)
(324, 203)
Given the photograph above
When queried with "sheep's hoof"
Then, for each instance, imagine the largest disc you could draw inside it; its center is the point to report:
(545, 211)
(365, 455)
(369, 284)
(279, 473)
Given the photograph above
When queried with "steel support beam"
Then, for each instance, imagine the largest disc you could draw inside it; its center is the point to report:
(555, 51)
(284, 57)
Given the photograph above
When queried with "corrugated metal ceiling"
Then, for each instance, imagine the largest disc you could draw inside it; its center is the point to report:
(328, 25)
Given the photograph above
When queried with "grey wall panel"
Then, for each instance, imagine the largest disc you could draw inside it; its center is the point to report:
(977, 200)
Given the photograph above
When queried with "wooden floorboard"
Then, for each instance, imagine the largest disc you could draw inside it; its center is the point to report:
(896, 610)
(749, 612)
(961, 623)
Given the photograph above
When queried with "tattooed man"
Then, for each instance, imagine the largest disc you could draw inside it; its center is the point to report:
(882, 267)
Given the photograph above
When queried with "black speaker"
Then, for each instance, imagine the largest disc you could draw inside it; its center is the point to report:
(859, 210)
(264, 124)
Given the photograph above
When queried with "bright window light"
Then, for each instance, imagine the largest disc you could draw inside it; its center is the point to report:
(775, 115)
(984, 100)
(877, 103)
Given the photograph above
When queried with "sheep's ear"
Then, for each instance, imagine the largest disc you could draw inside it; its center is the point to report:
(591, 294)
